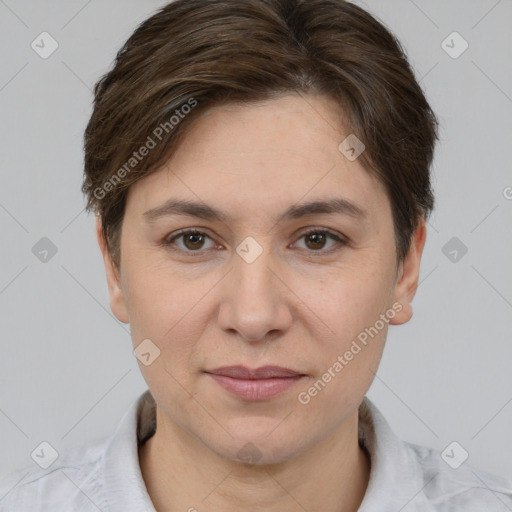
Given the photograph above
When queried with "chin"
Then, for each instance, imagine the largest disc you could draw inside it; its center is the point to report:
(258, 446)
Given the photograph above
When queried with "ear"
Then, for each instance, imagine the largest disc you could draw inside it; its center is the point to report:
(117, 302)
(408, 275)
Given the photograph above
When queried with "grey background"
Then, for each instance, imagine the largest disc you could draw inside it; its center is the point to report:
(67, 372)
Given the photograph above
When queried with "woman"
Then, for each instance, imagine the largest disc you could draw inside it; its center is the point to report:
(260, 171)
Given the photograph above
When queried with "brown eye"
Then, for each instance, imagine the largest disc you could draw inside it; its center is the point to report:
(317, 239)
(191, 241)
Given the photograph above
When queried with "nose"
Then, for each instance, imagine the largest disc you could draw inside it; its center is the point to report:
(255, 302)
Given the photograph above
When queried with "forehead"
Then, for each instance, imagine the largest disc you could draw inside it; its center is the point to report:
(265, 155)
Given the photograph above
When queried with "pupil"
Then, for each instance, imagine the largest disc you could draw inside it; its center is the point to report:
(318, 238)
(195, 239)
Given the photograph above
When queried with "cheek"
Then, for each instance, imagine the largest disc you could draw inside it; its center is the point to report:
(165, 306)
(348, 359)
(349, 334)
(342, 301)
(156, 293)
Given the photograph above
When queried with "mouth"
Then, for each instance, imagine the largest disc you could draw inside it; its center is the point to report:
(255, 384)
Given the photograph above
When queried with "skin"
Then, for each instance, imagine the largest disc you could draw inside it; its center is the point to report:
(300, 305)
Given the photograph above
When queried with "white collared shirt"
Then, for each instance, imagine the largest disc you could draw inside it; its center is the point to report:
(106, 476)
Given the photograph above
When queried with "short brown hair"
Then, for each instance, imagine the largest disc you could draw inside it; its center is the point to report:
(203, 53)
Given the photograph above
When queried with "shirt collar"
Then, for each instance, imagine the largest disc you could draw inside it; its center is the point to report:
(396, 478)
(124, 485)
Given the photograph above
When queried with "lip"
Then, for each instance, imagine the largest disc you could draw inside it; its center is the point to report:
(258, 384)
(264, 372)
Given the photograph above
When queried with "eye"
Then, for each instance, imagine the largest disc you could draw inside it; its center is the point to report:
(316, 240)
(193, 240)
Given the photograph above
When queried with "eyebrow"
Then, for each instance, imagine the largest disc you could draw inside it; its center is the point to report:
(336, 206)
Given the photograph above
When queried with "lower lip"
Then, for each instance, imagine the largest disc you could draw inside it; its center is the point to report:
(256, 389)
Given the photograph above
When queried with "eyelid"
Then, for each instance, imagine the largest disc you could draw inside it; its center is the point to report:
(322, 230)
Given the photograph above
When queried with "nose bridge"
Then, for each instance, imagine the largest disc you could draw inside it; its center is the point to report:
(251, 270)
(254, 303)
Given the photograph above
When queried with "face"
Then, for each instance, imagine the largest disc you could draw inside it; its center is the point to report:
(269, 281)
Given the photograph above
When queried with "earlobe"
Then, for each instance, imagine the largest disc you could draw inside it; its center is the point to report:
(117, 301)
(408, 275)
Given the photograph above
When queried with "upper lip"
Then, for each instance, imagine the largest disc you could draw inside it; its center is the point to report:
(264, 372)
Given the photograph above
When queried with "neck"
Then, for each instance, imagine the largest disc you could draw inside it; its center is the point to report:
(182, 473)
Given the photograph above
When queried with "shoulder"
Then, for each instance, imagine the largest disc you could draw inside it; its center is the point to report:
(454, 486)
(72, 482)
(409, 477)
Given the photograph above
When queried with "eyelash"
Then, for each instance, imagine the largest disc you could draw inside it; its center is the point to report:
(168, 242)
